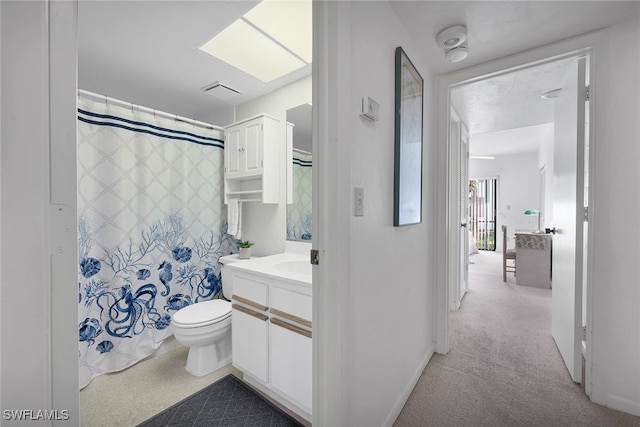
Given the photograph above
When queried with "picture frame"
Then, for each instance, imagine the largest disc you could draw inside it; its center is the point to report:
(409, 87)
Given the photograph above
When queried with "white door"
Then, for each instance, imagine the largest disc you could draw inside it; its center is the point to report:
(464, 211)
(568, 201)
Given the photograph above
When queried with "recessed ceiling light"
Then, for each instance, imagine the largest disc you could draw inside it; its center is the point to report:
(552, 94)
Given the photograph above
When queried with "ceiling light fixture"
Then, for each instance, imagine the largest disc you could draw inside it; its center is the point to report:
(552, 94)
(452, 41)
(477, 157)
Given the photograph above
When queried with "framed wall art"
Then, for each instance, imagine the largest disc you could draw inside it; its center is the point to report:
(407, 200)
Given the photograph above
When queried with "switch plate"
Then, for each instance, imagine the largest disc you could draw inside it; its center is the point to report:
(369, 108)
(358, 201)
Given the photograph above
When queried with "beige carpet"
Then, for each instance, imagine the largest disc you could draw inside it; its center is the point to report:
(503, 368)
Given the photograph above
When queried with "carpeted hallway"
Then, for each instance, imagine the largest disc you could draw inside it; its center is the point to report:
(503, 368)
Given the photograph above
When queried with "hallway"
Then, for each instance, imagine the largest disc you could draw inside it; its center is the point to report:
(503, 368)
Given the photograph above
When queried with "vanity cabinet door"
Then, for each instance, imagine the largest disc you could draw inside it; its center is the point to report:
(232, 151)
(254, 146)
(290, 356)
(244, 149)
(249, 341)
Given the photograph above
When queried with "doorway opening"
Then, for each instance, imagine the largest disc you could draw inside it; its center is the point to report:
(516, 150)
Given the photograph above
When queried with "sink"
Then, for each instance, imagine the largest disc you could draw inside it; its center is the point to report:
(302, 267)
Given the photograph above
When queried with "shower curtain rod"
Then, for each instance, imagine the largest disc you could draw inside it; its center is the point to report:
(301, 151)
(125, 104)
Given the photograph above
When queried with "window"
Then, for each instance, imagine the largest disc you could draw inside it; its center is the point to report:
(482, 212)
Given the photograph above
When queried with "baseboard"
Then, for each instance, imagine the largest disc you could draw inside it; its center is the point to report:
(614, 402)
(402, 399)
(624, 405)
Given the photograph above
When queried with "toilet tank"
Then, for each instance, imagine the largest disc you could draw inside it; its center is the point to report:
(227, 284)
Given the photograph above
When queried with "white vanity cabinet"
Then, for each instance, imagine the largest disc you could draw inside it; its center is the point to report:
(290, 349)
(271, 337)
(249, 329)
(251, 160)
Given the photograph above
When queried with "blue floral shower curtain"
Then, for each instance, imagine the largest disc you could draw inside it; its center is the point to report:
(151, 230)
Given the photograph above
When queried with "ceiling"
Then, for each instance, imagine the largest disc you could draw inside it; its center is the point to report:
(146, 52)
(505, 114)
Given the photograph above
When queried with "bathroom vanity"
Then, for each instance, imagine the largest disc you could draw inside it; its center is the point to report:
(271, 327)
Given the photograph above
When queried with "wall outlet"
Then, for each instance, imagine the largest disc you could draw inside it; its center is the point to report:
(358, 201)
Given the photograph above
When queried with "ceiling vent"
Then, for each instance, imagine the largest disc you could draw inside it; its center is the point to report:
(221, 91)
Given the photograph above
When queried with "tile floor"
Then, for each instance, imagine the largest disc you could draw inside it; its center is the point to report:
(129, 397)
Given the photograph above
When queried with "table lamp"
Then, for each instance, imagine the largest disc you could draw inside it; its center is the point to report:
(534, 212)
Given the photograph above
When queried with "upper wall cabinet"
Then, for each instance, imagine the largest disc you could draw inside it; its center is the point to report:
(251, 160)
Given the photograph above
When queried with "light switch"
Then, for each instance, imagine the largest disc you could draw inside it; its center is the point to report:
(358, 201)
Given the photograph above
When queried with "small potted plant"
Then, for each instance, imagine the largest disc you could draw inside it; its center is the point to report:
(245, 249)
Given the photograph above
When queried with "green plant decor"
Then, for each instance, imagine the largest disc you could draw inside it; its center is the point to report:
(245, 244)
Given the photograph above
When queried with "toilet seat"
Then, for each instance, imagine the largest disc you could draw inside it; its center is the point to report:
(202, 314)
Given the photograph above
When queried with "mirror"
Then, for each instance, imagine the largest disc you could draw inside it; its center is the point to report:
(299, 188)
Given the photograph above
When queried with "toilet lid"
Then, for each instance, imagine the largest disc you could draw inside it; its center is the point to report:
(202, 313)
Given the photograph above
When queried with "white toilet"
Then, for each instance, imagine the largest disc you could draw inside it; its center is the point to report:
(205, 327)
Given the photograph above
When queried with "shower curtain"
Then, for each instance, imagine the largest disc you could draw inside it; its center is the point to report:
(299, 212)
(151, 229)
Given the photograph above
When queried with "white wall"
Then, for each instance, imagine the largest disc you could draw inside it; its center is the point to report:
(38, 331)
(615, 293)
(386, 313)
(518, 190)
(266, 225)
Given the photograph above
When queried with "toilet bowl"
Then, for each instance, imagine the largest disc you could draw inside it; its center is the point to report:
(205, 327)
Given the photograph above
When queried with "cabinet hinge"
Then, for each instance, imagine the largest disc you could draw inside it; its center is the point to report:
(588, 92)
(584, 333)
(585, 217)
(315, 257)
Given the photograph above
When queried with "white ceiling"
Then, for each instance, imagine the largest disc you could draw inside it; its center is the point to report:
(505, 114)
(146, 52)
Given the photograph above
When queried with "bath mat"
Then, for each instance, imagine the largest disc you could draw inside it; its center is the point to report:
(227, 402)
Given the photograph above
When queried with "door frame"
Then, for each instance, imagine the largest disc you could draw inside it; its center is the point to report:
(448, 229)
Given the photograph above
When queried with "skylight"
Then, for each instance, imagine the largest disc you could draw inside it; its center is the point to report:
(270, 41)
